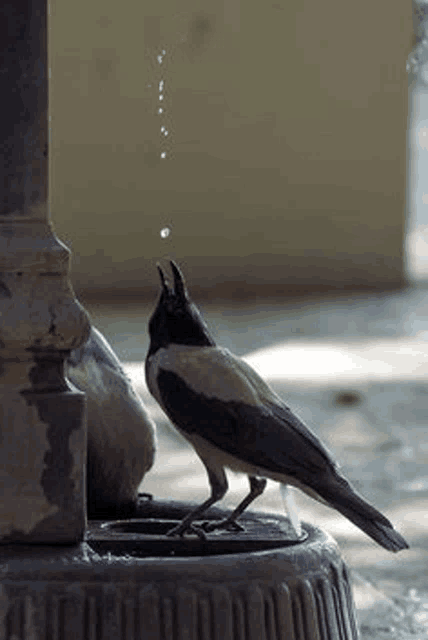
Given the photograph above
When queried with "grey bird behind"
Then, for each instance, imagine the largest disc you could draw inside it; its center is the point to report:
(233, 419)
(121, 434)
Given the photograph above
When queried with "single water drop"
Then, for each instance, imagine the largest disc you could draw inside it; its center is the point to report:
(162, 128)
(165, 133)
(163, 51)
(163, 154)
(160, 59)
(161, 83)
(160, 110)
(165, 232)
(160, 97)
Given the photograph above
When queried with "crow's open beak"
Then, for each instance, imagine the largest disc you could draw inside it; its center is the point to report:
(179, 284)
(165, 288)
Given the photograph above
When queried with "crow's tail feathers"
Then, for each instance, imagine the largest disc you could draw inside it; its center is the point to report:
(341, 496)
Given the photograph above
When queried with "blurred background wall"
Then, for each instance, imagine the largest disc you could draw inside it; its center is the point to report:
(278, 158)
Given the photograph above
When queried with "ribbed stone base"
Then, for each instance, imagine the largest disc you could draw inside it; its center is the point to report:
(295, 592)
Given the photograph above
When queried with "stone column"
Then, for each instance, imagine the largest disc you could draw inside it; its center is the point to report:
(42, 417)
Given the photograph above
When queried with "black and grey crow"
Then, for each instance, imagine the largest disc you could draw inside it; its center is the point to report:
(234, 420)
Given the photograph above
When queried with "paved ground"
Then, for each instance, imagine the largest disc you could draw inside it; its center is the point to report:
(355, 368)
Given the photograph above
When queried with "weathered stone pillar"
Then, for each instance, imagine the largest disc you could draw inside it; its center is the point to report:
(42, 418)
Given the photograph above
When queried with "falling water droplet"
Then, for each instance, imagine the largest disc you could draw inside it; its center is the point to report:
(163, 154)
(160, 59)
(161, 83)
(165, 133)
(160, 97)
(165, 232)
(162, 128)
(160, 110)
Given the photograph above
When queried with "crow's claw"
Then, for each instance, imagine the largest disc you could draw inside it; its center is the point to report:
(181, 531)
(227, 525)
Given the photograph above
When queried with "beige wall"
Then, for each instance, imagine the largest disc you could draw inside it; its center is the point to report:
(285, 159)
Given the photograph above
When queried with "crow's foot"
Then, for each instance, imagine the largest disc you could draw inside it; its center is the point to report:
(182, 529)
(227, 525)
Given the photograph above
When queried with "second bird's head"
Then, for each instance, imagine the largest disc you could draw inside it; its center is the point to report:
(176, 320)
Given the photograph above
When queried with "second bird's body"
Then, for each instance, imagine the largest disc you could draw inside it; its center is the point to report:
(121, 435)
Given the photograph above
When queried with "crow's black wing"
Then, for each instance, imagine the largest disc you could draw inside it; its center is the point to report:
(267, 435)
